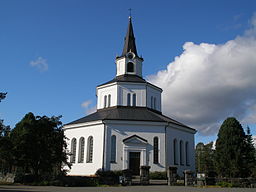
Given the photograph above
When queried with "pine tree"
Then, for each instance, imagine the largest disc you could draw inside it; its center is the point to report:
(250, 153)
(231, 155)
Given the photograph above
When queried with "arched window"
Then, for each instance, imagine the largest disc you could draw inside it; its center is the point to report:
(105, 101)
(181, 153)
(128, 99)
(175, 152)
(156, 149)
(73, 151)
(130, 67)
(109, 100)
(187, 153)
(152, 99)
(154, 103)
(81, 150)
(89, 149)
(113, 148)
(134, 99)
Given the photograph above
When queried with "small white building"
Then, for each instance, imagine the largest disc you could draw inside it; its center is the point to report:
(128, 130)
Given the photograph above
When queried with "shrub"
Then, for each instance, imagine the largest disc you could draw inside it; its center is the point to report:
(161, 175)
(108, 177)
(224, 184)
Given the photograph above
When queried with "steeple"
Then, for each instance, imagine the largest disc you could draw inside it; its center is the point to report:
(129, 63)
(129, 41)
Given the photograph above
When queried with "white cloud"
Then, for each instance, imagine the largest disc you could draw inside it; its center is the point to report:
(86, 104)
(40, 63)
(209, 82)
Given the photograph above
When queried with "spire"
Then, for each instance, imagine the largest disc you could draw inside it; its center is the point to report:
(129, 41)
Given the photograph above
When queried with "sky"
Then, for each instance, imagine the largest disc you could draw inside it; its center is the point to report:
(53, 54)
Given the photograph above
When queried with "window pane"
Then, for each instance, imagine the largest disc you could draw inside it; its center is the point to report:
(105, 101)
(156, 150)
(175, 152)
(113, 148)
(89, 149)
(109, 100)
(128, 99)
(134, 99)
(81, 150)
(187, 154)
(130, 67)
(181, 153)
(73, 151)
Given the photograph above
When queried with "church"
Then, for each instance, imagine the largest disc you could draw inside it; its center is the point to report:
(128, 130)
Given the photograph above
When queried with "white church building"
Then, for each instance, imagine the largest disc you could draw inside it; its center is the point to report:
(128, 130)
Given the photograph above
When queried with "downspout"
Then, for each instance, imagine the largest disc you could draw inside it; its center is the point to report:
(166, 168)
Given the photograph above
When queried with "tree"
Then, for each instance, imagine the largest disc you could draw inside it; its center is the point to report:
(250, 153)
(231, 155)
(39, 145)
(2, 95)
(5, 144)
(205, 158)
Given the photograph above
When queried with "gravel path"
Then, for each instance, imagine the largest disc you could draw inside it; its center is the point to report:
(11, 188)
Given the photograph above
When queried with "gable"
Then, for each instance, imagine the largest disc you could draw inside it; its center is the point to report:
(135, 139)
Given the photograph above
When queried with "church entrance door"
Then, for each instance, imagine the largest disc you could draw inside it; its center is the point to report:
(134, 162)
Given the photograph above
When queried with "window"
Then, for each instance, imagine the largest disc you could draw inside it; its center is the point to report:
(73, 151)
(130, 67)
(175, 151)
(113, 148)
(128, 99)
(81, 150)
(156, 149)
(109, 100)
(187, 153)
(154, 103)
(134, 99)
(105, 101)
(89, 149)
(181, 153)
(151, 102)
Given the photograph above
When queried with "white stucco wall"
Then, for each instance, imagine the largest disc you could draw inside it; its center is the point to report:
(125, 129)
(174, 132)
(121, 66)
(96, 130)
(138, 89)
(155, 93)
(110, 89)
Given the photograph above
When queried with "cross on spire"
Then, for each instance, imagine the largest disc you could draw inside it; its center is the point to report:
(130, 12)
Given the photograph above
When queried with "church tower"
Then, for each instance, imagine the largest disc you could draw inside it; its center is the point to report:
(128, 88)
(129, 62)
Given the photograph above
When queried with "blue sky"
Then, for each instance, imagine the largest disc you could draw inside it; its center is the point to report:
(53, 53)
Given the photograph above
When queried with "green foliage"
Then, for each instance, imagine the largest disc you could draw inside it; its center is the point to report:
(108, 177)
(225, 184)
(205, 158)
(232, 150)
(2, 96)
(159, 175)
(39, 146)
(5, 145)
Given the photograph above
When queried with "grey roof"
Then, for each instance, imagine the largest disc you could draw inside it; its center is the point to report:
(128, 114)
(128, 78)
(129, 41)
